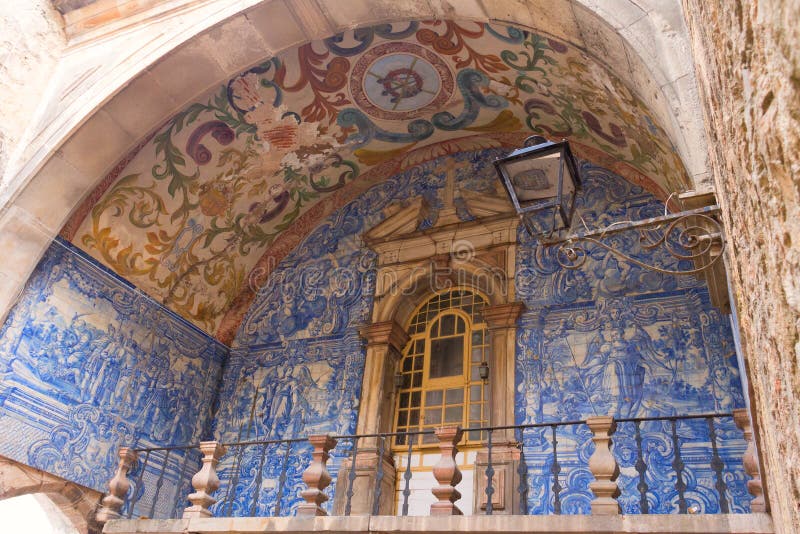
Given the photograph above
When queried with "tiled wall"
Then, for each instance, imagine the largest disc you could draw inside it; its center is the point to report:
(607, 339)
(611, 338)
(89, 364)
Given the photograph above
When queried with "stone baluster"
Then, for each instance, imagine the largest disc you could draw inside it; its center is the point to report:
(117, 488)
(205, 482)
(603, 466)
(758, 504)
(446, 472)
(316, 477)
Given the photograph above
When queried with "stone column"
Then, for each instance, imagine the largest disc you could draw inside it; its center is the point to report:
(385, 342)
(117, 488)
(446, 472)
(501, 320)
(316, 477)
(205, 482)
(758, 504)
(603, 466)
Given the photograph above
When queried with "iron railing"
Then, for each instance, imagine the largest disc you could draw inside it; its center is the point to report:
(161, 476)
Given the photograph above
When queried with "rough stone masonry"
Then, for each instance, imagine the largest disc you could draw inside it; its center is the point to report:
(748, 68)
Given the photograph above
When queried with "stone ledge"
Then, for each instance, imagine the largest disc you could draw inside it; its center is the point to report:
(645, 524)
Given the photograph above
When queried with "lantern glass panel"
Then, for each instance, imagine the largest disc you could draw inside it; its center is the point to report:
(534, 179)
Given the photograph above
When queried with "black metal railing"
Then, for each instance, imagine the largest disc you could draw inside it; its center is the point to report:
(715, 463)
(551, 456)
(171, 465)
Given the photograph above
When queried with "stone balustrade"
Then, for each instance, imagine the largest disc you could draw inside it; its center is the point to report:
(117, 488)
(446, 472)
(602, 465)
(758, 504)
(206, 481)
(316, 477)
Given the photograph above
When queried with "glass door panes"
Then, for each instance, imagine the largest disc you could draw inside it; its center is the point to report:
(441, 383)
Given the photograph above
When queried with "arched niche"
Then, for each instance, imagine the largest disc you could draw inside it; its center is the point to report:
(413, 265)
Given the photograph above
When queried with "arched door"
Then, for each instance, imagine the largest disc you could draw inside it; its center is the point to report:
(441, 385)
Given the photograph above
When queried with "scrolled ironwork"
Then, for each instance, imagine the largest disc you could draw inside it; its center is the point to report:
(684, 236)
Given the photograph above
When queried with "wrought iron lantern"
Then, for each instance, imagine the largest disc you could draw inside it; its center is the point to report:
(541, 180)
(483, 371)
(399, 380)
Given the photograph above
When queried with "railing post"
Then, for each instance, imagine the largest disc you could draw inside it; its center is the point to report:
(316, 477)
(446, 472)
(117, 488)
(603, 466)
(205, 482)
(758, 504)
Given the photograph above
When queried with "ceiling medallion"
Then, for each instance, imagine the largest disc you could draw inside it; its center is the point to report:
(399, 80)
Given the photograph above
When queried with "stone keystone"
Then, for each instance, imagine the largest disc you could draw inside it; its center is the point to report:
(316, 477)
(603, 466)
(117, 488)
(742, 420)
(205, 482)
(446, 472)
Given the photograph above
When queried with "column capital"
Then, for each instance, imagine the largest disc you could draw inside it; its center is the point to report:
(503, 315)
(385, 333)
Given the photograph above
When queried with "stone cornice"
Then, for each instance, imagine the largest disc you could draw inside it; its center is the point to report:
(385, 333)
(503, 315)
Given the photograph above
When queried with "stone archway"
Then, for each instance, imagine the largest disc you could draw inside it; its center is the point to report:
(76, 503)
(109, 101)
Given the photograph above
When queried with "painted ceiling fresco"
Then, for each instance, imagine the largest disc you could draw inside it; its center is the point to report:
(228, 186)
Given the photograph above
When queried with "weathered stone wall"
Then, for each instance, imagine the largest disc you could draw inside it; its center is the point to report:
(748, 67)
(77, 503)
(30, 44)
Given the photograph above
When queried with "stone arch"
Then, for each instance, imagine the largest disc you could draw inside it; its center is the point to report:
(122, 101)
(410, 292)
(77, 503)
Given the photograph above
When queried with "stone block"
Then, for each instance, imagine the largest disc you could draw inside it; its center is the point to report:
(96, 146)
(276, 37)
(62, 184)
(236, 44)
(141, 105)
(190, 70)
(602, 41)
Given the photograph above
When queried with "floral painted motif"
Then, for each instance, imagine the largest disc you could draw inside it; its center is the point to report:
(219, 184)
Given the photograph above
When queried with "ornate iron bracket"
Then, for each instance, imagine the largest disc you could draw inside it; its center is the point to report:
(689, 235)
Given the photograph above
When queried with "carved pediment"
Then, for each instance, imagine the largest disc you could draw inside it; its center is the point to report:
(486, 205)
(400, 221)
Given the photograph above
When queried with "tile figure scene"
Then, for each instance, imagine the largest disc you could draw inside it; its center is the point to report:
(90, 364)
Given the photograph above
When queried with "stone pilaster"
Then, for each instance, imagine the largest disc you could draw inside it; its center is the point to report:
(368, 464)
(603, 466)
(205, 482)
(502, 322)
(446, 472)
(385, 342)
